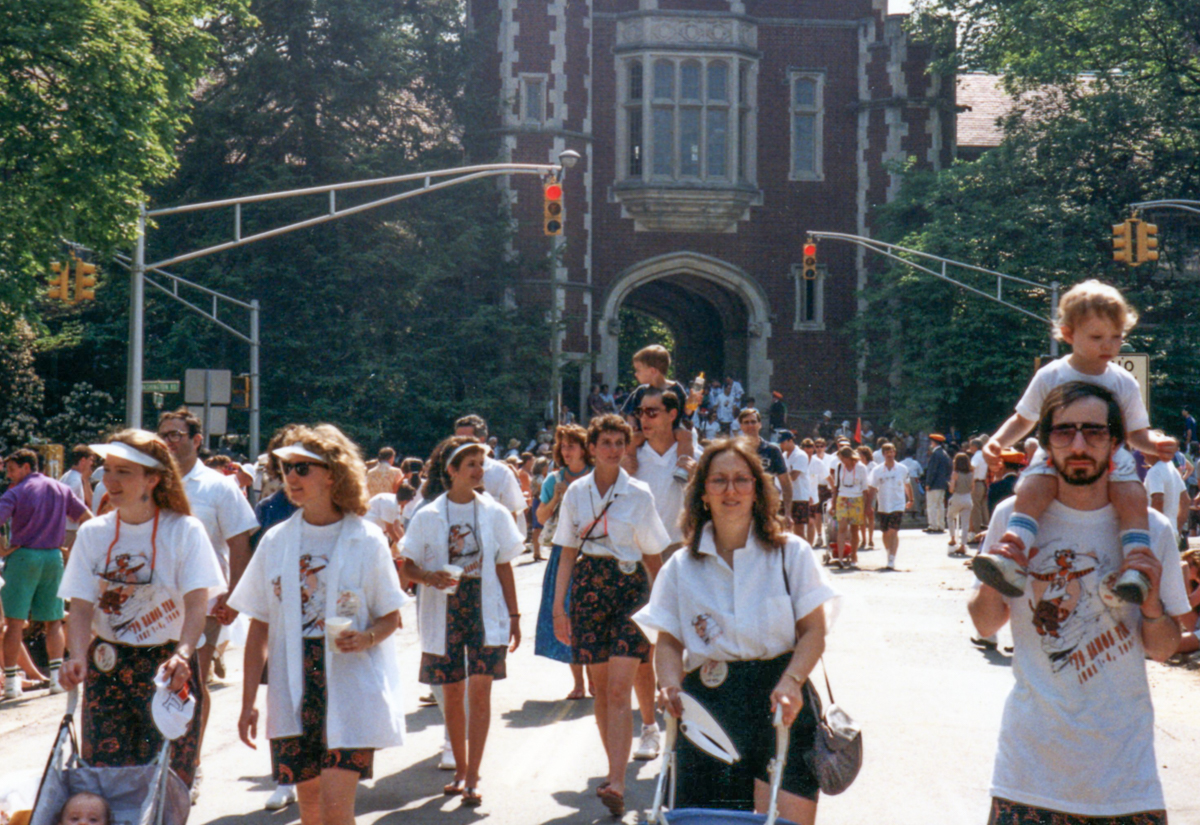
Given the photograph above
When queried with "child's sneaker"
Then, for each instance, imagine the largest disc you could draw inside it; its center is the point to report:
(1132, 586)
(1000, 573)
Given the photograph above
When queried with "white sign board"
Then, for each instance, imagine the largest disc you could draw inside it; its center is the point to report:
(217, 419)
(1138, 365)
(219, 386)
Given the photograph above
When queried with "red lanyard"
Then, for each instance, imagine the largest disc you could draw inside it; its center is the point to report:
(153, 543)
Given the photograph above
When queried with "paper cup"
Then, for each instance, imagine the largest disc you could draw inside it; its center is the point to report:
(334, 627)
(455, 571)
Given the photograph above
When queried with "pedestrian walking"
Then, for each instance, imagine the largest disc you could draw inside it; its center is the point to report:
(892, 496)
(79, 479)
(323, 596)
(979, 476)
(937, 482)
(138, 583)
(460, 549)
(849, 488)
(958, 511)
(384, 477)
(612, 540)
(747, 603)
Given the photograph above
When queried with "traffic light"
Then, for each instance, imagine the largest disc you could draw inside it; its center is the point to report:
(85, 279)
(810, 260)
(553, 208)
(1122, 241)
(59, 282)
(241, 393)
(1147, 243)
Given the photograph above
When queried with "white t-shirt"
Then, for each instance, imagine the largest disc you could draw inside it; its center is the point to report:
(138, 587)
(383, 509)
(724, 404)
(464, 538)
(1164, 478)
(979, 468)
(629, 529)
(219, 504)
(797, 460)
(74, 480)
(732, 614)
(1077, 734)
(822, 467)
(850, 483)
(1116, 380)
(658, 473)
(889, 483)
(317, 545)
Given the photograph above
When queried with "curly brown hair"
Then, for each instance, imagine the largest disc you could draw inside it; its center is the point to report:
(168, 494)
(570, 432)
(344, 460)
(696, 515)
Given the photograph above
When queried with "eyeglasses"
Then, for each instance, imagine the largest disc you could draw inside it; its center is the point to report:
(650, 412)
(301, 468)
(1063, 435)
(173, 436)
(719, 484)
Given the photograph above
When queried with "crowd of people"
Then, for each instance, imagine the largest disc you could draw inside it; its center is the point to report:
(681, 558)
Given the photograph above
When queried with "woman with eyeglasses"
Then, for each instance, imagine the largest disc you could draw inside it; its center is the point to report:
(574, 462)
(323, 597)
(747, 602)
(460, 549)
(138, 582)
(612, 540)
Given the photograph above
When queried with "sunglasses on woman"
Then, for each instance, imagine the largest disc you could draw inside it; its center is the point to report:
(301, 468)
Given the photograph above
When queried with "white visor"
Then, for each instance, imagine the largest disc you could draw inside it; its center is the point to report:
(294, 451)
(119, 449)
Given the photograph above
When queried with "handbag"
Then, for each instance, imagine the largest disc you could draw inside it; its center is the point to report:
(837, 751)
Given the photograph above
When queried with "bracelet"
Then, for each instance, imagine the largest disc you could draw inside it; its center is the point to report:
(371, 633)
(514, 615)
(794, 677)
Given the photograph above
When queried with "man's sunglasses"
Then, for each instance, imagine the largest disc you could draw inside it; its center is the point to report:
(1063, 435)
(650, 412)
(301, 468)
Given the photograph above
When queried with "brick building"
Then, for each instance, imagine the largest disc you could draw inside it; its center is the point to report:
(713, 134)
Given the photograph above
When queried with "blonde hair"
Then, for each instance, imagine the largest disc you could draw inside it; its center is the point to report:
(344, 460)
(654, 356)
(168, 494)
(1092, 297)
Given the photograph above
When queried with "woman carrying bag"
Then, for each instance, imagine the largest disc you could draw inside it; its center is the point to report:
(468, 614)
(746, 602)
(334, 696)
(139, 578)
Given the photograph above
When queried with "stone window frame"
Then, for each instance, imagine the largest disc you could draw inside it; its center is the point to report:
(817, 111)
(526, 81)
(816, 323)
(741, 104)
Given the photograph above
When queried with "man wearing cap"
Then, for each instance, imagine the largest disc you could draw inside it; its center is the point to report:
(777, 414)
(797, 460)
(937, 482)
(38, 508)
(228, 519)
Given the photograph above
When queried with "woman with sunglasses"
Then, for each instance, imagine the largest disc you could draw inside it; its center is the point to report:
(744, 600)
(612, 540)
(571, 456)
(139, 579)
(333, 700)
(468, 613)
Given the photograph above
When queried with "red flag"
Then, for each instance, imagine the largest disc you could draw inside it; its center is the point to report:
(858, 431)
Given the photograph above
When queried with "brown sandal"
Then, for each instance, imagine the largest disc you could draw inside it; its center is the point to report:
(613, 800)
(471, 798)
(455, 788)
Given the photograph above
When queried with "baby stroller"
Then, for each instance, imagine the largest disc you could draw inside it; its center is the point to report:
(140, 795)
(706, 733)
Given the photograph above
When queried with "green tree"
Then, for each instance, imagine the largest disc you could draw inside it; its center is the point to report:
(21, 401)
(93, 95)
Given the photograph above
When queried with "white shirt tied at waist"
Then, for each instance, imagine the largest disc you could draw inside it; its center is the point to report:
(427, 542)
(366, 702)
(628, 530)
(737, 613)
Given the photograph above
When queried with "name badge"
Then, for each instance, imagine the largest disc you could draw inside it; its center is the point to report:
(627, 567)
(104, 657)
(713, 674)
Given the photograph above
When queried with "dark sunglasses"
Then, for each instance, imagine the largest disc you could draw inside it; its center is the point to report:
(650, 412)
(1063, 435)
(301, 468)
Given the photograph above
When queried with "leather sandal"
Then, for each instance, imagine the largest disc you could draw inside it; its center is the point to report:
(613, 800)
(455, 788)
(471, 798)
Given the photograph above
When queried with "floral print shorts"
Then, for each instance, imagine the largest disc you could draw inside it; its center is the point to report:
(1006, 812)
(466, 654)
(602, 600)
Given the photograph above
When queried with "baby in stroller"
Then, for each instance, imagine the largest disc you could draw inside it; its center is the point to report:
(86, 809)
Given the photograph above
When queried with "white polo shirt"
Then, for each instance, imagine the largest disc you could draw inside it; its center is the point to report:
(219, 504)
(501, 483)
(629, 529)
(797, 460)
(658, 473)
(889, 484)
(979, 468)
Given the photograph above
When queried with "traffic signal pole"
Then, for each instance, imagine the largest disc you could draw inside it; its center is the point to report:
(893, 252)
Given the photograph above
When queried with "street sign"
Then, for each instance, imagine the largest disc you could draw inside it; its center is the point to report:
(219, 389)
(1138, 365)
(217, 417)
(162, 386)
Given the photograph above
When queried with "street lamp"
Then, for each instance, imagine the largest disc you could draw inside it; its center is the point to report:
(568, 158)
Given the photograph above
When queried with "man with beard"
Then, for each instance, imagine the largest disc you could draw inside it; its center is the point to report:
(1077, 734)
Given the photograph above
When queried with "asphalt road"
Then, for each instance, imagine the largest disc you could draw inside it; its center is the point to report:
(899, 659)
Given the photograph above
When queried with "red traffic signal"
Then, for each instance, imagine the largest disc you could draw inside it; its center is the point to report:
(810, 261)
(552, 217)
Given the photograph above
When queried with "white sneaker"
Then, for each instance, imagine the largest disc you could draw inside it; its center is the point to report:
(196, 780)
(55, 687)
(447, 762)
(891, 565)
(648, 745)
(12, 687)
(1001, 573)
(283, 796)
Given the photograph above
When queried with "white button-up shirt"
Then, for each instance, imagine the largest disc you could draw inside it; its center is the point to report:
(658, 472)
(631, 527)
(427, 542)
(219, 504)
(736, 613)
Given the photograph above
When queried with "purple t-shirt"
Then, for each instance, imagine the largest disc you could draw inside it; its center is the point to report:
(39, 508)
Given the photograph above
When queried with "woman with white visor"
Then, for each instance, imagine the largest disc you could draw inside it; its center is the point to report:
(139, 578)
(323, 597)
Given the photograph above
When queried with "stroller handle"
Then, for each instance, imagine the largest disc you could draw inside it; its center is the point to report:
(72, 700)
